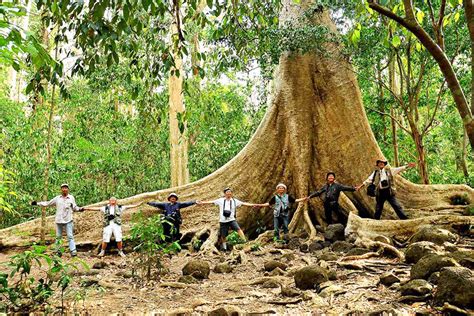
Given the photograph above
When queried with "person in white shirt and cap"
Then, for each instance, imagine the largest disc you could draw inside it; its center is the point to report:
(65, 205)
(383, 179)
(112, 223)
(227, 215)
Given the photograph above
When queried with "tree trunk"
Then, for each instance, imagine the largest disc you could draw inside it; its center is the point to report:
(316, 122)
(469, 11)
(394, 82)
(178, 135)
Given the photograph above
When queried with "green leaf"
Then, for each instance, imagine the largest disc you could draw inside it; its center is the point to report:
(396, 41)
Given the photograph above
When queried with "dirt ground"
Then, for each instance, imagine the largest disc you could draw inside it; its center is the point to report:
(115, 291)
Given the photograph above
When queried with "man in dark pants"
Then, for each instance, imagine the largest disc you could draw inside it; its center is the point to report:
(331, 191)
(383, 179)
(172, 215)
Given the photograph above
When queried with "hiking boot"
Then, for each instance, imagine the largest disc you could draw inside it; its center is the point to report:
(121, 254)
(101, 253)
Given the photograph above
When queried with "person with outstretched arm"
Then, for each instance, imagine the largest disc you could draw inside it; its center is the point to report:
(172, 215)
(383, 179)
(330, 193)
(65, 204)
(281, 202)
(227, 215)
(112, 223)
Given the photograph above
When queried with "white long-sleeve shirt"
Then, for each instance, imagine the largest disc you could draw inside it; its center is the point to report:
(383, 175)
(65, 205)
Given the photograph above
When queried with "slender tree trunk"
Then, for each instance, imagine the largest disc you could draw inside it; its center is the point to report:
(394, 82)
(178, 129)
(464, 168)
(420, 150)
(410, 23)
(469, 11)
(396, 160)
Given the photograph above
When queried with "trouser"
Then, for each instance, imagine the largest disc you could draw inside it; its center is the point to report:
(171, 229)
(69, 227)
(385, 195)
(329, 208)
(280, 221)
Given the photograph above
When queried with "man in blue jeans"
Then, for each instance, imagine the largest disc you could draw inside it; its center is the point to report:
(65, 205)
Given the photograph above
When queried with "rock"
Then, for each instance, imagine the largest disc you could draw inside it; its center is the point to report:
(342, 246)
(408, 299)
(289, 292)
(304, 248)
(188, 279)
(450, 247)
(455, 286)
(315, 246)
(331, 290)
(294, 243)
(464, 258)
(99, 265)
(434, 234)
(328, 256)
(388, 279)
(418, 250)
(430, 264)
(334, 232)
(197, 268)
(417, 287)
(332, 274)
(357, 251)
(434, 278)
(223, 268)
(86, 282)
(273, 264)
(276, 272)
(270, 284)
(225, 311)
(309, 277)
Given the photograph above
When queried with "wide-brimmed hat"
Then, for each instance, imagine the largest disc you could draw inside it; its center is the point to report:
(281, 185)
(65, 185)
(227, 189)
(171, 195)
(381, 160)
(329, 173)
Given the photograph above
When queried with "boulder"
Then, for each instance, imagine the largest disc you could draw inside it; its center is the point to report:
(342, 246)
(417, 287)
(197, 268)
(418, 250)
(464, 258)
(430, 264)
(273, 264)
(334, 232)
(315, 246)
(388, 279)
(223, 268)
(434, 234)
(455, 286)
(310, 277)
(434, 278)
(332, 274)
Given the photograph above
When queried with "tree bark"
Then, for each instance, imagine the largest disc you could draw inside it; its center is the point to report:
(411, 24)
(316, 122)
(469, 11)
(395, 87)
(178, 135)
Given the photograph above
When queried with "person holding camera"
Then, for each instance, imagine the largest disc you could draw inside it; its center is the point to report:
(382, 186)
(65, 205)
(281, 202)
(112, 223)
(172, 215)
(331, 192)
(227, 215)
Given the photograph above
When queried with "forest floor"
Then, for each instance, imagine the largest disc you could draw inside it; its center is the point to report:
(110, 288)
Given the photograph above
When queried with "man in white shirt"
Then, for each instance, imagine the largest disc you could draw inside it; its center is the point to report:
(383, 179)
(227, 215)
(65, 205)
(112, 223)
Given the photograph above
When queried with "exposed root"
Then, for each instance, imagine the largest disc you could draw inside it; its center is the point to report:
(296, 218)
(380, 247)
(209, 246)
(309, 224)
(364, 256)
(264, 238)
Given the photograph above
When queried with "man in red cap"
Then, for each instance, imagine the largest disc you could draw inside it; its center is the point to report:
(383, 180)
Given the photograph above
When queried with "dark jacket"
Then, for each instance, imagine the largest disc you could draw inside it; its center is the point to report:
(331, 192)
(172, 210)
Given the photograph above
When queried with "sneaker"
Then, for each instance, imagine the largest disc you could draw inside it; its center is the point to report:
(74, 254)
(102, 253)
(121, 254)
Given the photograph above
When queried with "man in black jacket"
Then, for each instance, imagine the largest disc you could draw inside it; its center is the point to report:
(331, 191)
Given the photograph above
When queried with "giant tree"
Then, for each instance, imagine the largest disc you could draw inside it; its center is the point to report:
(315, 123)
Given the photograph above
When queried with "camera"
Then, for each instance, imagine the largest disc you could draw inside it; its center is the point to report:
(227, 213)
(384, 183)
(111, 217)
